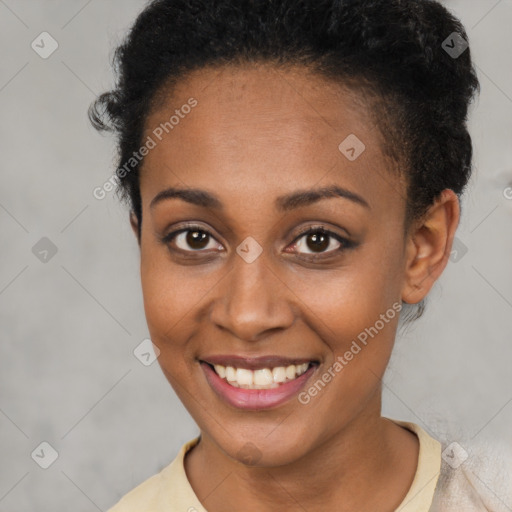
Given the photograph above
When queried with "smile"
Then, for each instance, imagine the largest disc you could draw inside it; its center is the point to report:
(257, 383)
(264, 378)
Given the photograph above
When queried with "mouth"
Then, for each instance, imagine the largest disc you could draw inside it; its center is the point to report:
(263, 378)
(257, 383)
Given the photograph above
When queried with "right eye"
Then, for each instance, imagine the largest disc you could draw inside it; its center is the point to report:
(190, 239)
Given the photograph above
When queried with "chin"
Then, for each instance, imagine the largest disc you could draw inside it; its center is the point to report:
(261, 449)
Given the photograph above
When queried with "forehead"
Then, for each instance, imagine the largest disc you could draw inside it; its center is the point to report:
(266, 128)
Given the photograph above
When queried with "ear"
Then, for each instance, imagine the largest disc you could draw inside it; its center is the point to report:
(429, 245)
(135, 226)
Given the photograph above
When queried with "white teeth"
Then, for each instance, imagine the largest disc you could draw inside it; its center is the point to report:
(244, 377)
(290, 371)
(230, 374)
(264, 378)
(279, 374)
(221, 370)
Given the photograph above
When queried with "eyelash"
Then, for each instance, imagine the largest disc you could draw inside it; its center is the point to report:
(345, 243)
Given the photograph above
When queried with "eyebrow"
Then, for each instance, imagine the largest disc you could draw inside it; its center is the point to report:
(284, 203)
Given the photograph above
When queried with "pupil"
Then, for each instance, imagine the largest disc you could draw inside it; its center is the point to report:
(196, 239)
(319, 241)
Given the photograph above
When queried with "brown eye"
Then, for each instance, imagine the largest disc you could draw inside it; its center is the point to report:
(317, 240)
(191, 239)
(196, 239)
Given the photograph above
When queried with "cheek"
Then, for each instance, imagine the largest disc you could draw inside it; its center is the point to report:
(355, 311)
(356, 320)
(169, 308)
(167, 298)
(174, 298)
(354, 315)
(348, 299)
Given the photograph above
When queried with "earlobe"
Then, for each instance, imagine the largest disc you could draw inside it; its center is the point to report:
(429, 245)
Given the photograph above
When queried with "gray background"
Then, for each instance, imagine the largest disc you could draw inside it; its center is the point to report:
(69, 325)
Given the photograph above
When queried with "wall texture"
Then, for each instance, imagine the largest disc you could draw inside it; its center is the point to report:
(70, 300)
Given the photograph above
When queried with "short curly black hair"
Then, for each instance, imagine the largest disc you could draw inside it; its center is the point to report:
(412, 55)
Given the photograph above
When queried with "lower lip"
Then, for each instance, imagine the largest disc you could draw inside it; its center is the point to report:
(255, 399)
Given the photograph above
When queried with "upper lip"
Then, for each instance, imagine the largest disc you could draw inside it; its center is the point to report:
(255, 363)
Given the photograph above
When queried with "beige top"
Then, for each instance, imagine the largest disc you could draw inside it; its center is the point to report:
(170, 490)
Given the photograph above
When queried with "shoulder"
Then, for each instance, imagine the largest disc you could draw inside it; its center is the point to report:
(163, 491)
(474, 477)
(143, 497)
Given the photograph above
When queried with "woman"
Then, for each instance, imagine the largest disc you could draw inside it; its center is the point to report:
(293, 171)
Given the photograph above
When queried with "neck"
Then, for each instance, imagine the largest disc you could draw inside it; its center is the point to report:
(368, 465)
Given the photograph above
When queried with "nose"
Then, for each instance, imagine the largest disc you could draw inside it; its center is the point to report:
(253, 301)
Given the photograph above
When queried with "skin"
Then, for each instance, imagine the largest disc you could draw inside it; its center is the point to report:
(258, 133)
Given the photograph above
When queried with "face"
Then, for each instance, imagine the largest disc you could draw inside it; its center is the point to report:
(230, 275)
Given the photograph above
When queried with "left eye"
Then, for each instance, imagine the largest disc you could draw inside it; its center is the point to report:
(318, 240)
